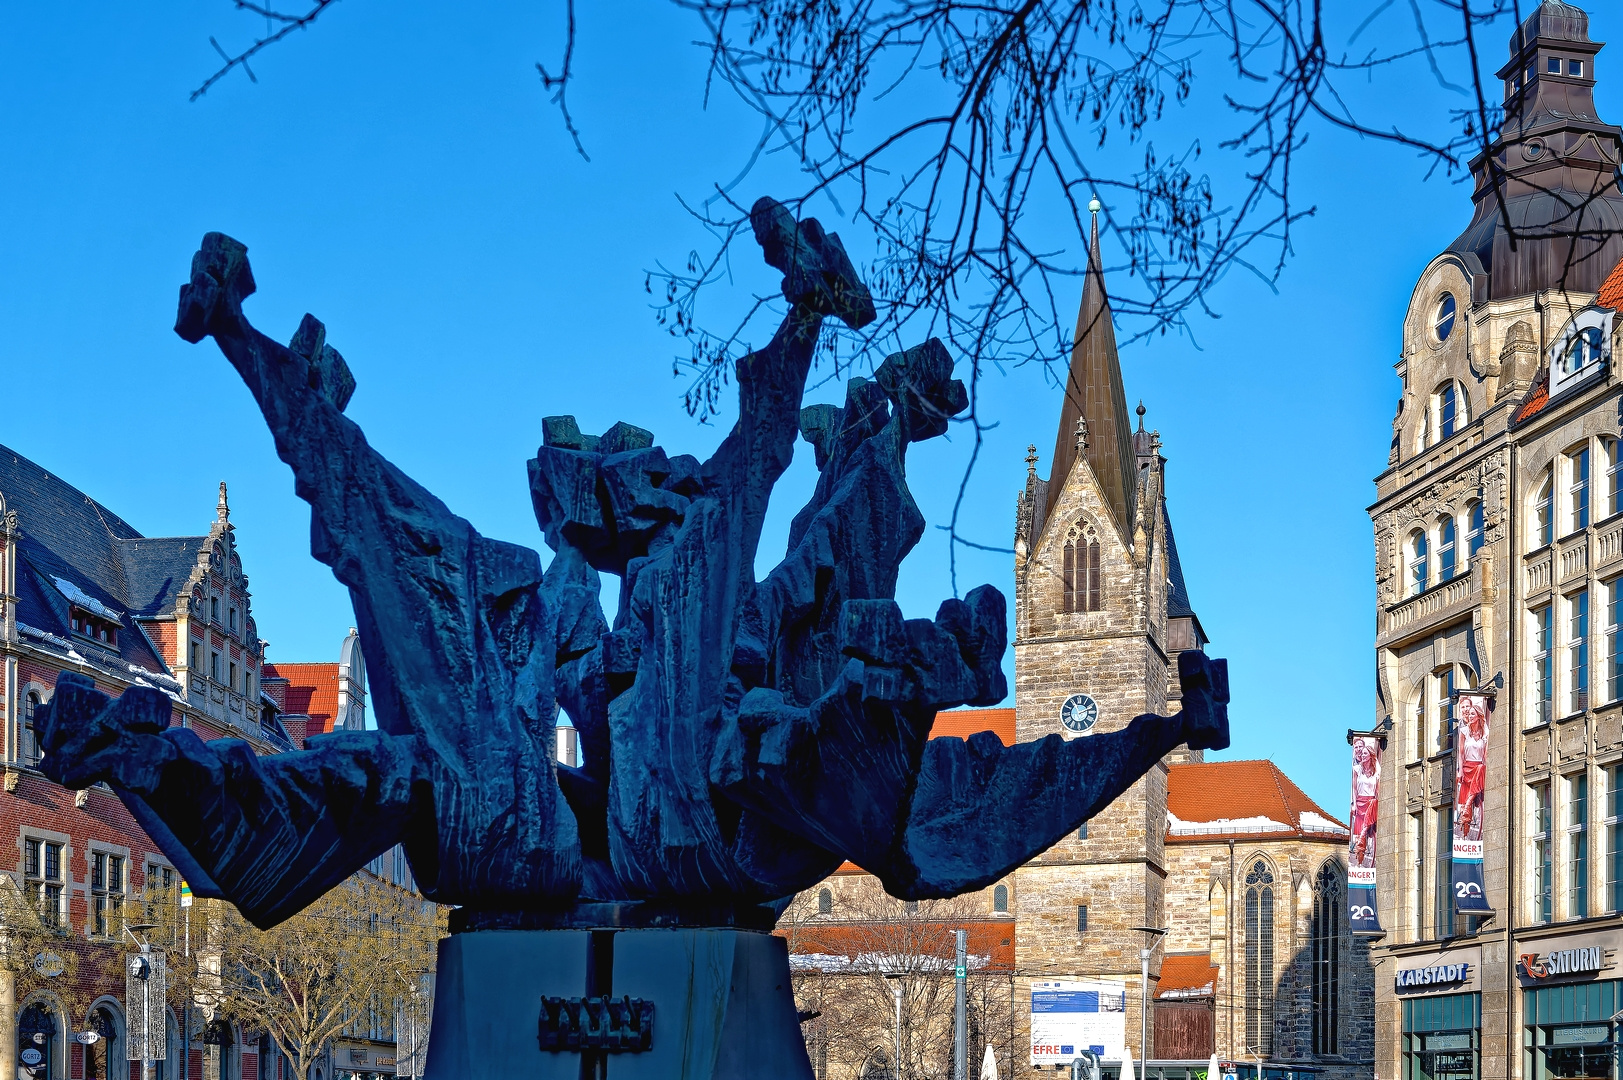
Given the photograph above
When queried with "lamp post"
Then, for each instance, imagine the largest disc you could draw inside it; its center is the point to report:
(895, 978)
(141, 967)
(1159, 934)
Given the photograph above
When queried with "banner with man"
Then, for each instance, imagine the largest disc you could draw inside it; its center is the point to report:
(1471, 712)
(1366, 810)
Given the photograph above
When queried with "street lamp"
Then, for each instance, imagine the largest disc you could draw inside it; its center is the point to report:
(141, 968)
(1159, 935)
(896, 1051)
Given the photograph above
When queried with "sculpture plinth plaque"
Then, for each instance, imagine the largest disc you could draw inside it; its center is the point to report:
(741, 738)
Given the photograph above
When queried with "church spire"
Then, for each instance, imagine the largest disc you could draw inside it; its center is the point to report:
(1094, 398)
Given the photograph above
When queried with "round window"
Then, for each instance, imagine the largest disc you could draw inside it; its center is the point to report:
(1442, 323)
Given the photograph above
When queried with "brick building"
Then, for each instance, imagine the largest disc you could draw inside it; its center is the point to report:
(83, 591)
(1498, 528)
(1243, 870)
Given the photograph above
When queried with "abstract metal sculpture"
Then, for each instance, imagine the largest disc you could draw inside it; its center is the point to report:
(741, 738)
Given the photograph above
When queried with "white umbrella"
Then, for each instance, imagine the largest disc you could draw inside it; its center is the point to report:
(1126, 1064)
(989, 1066)
(1214, 1069)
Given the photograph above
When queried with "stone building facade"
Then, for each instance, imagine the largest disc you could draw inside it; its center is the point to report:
(1245, 873)
(1499, 561)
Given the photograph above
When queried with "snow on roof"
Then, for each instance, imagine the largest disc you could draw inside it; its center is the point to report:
(1312, 822)
(1259, 824)
(78, 596)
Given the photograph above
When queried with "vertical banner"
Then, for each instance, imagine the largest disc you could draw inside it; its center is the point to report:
(1471, 710)
(1366, 811)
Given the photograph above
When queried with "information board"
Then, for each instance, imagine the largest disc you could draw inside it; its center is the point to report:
(1069, 1016)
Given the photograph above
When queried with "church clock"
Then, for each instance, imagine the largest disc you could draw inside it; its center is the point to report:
(1079, 713)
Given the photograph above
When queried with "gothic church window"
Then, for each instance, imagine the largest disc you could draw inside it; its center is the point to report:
(825, 902)
(1326, 947)
(1000, 900)
(1259, 959)
(1081, 573)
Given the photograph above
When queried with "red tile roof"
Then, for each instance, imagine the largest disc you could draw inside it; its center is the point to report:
(1611, 290)
(312, 691)
(1241, 798)
(963, 723)
(1187, 977)
(991, 938)
(1536, 400)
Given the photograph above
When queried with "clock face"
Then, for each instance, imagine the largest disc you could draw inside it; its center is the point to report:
(1079, 713)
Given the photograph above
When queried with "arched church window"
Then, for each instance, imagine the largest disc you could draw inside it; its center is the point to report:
(1259, 959)
(825, 902)
(1326, 947)
(1081, 573)
(1000, 900)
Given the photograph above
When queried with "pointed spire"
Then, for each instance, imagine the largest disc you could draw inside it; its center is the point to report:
(1141, 411)
(1095, 399)
(222, 509)
(1031, 459)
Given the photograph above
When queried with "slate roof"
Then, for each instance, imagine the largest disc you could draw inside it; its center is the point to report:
(66, 534)
(1215, 799)
(1184, 977)
(1177, 592)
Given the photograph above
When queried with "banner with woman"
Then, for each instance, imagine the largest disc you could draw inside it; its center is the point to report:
(1471, 710)
(1366, 811)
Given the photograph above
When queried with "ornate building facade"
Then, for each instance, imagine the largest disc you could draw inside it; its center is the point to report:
(1499, 566)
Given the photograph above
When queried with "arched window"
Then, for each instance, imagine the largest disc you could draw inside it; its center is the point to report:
(101, 1055)
(1327, 908)
(36, 1041)
(825, 902)
(1416, 558)
(29, 738)
(1445, 549)
(1259, 959)
(1473, 531)
(1543, 510)
(1081, 572)
(1583, 351)
(1000, 900)
(1577, 470)
(1450, 410)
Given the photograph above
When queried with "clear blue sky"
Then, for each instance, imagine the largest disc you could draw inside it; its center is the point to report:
(398, 172)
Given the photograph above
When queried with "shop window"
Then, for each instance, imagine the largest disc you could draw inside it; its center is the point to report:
(1577, 846)
(1543, 663)
(42, 878)
(1442, 1037)
(1570, 1030)
(1328, 905)
(106, 894)
(1259, 958)
(1443, 872)
(36, 1042)
(1577, 652)
(1542, 867)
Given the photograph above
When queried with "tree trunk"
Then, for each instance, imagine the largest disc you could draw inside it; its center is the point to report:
(8, 1022)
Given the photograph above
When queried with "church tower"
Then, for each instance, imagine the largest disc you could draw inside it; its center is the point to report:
(1101, 613)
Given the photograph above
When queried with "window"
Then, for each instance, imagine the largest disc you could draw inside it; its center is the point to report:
(1259, 958)
(1543, 856)
(106, 893)
(232, 683)
(42, 878)
(1575, 68)
(1000, 900)
(1081, 567)
(1578, 652)
(1326, 945)
(1553, 65)
(1082, 831)
(1082, 918)
(214, 665)
(1610, 461)
(1578, 490)
(1443, 683)
(1614, 838)
(1577, 846)
(1445, 549)
(231, 618)
(1583, 351)
(1473, 532)
(197, 655)
(1612, 672)
(1442, 320)
(1543, 632)
(1543, 519)
(159, 888)
(1422, 733)
(214, 608)
(1447, 411)
(1443, 873)
(1417, 562)
(1417, 841)
(29, 738)
(825, 902)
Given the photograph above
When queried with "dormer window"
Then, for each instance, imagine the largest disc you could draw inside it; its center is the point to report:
(95, 628)
(1584, 350)
(1575, 68)
(1553, 65)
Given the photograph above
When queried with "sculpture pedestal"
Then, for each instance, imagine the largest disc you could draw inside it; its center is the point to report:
(723, 1007)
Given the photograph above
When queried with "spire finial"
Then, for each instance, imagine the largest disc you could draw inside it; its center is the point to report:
(1031, 459)
(1081, 433)
(1141, 411)
(222, 509)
